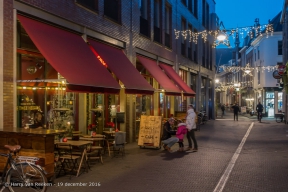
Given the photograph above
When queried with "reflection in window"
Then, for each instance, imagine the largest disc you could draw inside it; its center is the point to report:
(280, 102)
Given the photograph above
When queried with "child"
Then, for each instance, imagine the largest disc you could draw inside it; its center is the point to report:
(181, 131)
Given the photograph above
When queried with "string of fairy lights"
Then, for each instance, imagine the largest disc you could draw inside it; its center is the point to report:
(248, 69)
(250, 31)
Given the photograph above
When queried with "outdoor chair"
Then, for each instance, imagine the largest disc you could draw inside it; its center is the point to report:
(119, 143)
(66, 157)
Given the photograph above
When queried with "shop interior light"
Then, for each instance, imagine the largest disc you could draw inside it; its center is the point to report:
(34, 88)
(216, 80)
(162, 90)
(24, 87)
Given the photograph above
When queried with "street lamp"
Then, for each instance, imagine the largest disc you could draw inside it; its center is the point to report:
(216, 80)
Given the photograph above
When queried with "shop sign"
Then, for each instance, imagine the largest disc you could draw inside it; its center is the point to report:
(31, 69)
(28, 108)
(276, 75)
(281, 69)
(27, 103)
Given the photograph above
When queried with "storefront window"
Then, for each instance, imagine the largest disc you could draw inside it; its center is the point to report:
(270, 103)
(280, 101)
(193, 86)
(42, 100)
(203, 94)
(143, 105)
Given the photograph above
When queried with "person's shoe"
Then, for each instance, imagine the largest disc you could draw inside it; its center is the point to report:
(168, 149)
(180, 149)
(195, 149)
(164, 146)
(188, 148)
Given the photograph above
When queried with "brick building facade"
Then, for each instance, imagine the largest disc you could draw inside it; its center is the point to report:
(121, 24)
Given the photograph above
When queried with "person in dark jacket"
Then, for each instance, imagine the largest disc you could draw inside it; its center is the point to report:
(167, 138)
(236, 109)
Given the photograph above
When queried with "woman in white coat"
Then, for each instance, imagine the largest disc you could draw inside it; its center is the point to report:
(191, 126)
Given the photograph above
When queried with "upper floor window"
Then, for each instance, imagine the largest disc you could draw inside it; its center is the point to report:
(190, 46)
(90, 4)
(258, 50)
(184, 2)
(203, 13)
(279, 47)
(207, 16)
(112, 9)
(168, 24)
(195, 8)
(157, 21)
(183, 40)
(144, 18)
(190, 5)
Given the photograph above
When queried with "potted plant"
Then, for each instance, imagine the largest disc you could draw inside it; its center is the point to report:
(92, 128)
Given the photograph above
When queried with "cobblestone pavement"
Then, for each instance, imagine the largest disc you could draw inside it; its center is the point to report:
(261, 164)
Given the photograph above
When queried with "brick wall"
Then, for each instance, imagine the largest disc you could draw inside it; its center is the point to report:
(72, 11)
(8, 64)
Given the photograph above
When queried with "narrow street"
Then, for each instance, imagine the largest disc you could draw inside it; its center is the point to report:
(242, 155)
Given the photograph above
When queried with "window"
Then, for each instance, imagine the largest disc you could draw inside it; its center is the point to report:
(207, 54)
(144, 18)
(190, 5)
(183, 40)
(112, 9)
(190, 45)
(279, 47)
(168, 14)
(203, 13)
(193, 86)
(255, 55)
(210, 46)
(157, 21)
(196, 8)
(258, 49)
(90, 4)
(203, 54)
(207, 16)
(196, 49)
(184, 2)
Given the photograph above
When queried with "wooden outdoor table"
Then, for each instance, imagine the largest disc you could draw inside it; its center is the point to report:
(94, 136)
(78, 144)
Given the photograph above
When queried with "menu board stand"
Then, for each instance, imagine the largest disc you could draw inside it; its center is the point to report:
(150, 131)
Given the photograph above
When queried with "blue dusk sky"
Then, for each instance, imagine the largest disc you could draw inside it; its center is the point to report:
(242, 13)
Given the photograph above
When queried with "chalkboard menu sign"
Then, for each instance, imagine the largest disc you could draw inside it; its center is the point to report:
(150, 131)
(120, 117)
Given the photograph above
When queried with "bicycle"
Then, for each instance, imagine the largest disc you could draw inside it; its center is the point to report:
(279, 117)
(260, 116)
(23, 173)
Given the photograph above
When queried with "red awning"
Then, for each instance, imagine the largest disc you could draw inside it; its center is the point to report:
(151, 65)
(124, 70)
(177, 79)
(71, 57)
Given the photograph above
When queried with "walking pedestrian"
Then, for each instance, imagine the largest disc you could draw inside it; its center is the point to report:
(191, 126)
(181, 131)
(223, 109)
(236, 109)
(167, 138)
